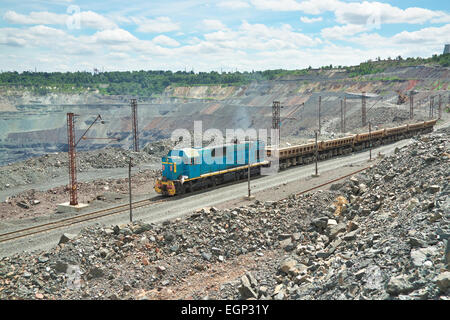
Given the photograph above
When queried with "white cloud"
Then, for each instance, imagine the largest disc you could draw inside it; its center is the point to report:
(276, 5)
(90, 19)
(246, 46)
(310, 20)
(233, 4)
(9, 37)
(443, 18)
(158, 25)
(424, 36)
(423, 42)
(357, 12)
(32, 37)
(165, 41)
(204, 47)
(114, 36)
(261, 37)
(45, 31)
(342, 32)
(35, 18)
(119, 55)
(210, 24)
(87, 19)
(318, 7)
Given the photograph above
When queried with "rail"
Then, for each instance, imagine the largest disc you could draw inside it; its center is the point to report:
(75, 220)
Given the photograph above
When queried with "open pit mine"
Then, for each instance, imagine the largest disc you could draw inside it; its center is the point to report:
(94, 205)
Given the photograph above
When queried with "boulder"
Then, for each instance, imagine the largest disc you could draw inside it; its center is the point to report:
(66, 237)
(399, 285)
(288, 265)
(245, 289)
(443, 281)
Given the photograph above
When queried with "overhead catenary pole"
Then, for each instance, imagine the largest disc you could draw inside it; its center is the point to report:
(134, 124)
(320, 105)
(345, 113)
(317, 156)
(249, 196)
(316, 174)
(276, 119)
(363, 109)
(73, 186)
(72, 161)
(431, 107)
(370, 141)
(129, 189)
(249, 191)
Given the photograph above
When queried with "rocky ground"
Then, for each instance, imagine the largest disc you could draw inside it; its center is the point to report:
(50, 166)
(159, 148)
(382, 234)
(41, 170)
(382, 117)
(34, 203)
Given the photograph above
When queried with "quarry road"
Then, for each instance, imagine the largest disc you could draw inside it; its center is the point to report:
(298, 178)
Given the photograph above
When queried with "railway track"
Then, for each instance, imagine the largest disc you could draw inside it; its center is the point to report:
(22, 233)
(330, 182)
(75, 220)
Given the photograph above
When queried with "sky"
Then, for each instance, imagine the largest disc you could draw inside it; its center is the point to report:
(221, 35)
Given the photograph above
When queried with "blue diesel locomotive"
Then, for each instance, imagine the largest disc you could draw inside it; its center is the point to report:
(189, 169)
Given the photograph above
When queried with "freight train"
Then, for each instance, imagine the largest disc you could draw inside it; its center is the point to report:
(189, 169)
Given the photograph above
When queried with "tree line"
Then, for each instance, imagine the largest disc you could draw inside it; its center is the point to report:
(148, 83)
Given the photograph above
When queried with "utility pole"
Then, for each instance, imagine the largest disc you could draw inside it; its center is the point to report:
(249, 192)
(411, 105)
(431, 107)
(129, 188)
(276, 119)
(342, 116)
(363, 109)
(345, 114)
(72, 154)
(135, 124)
(320, 104)
(72, 161)
(249, 196)
(440, 106)
(316, 157)
(370, 141)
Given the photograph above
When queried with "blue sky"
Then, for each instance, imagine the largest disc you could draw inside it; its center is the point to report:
(64, 35)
